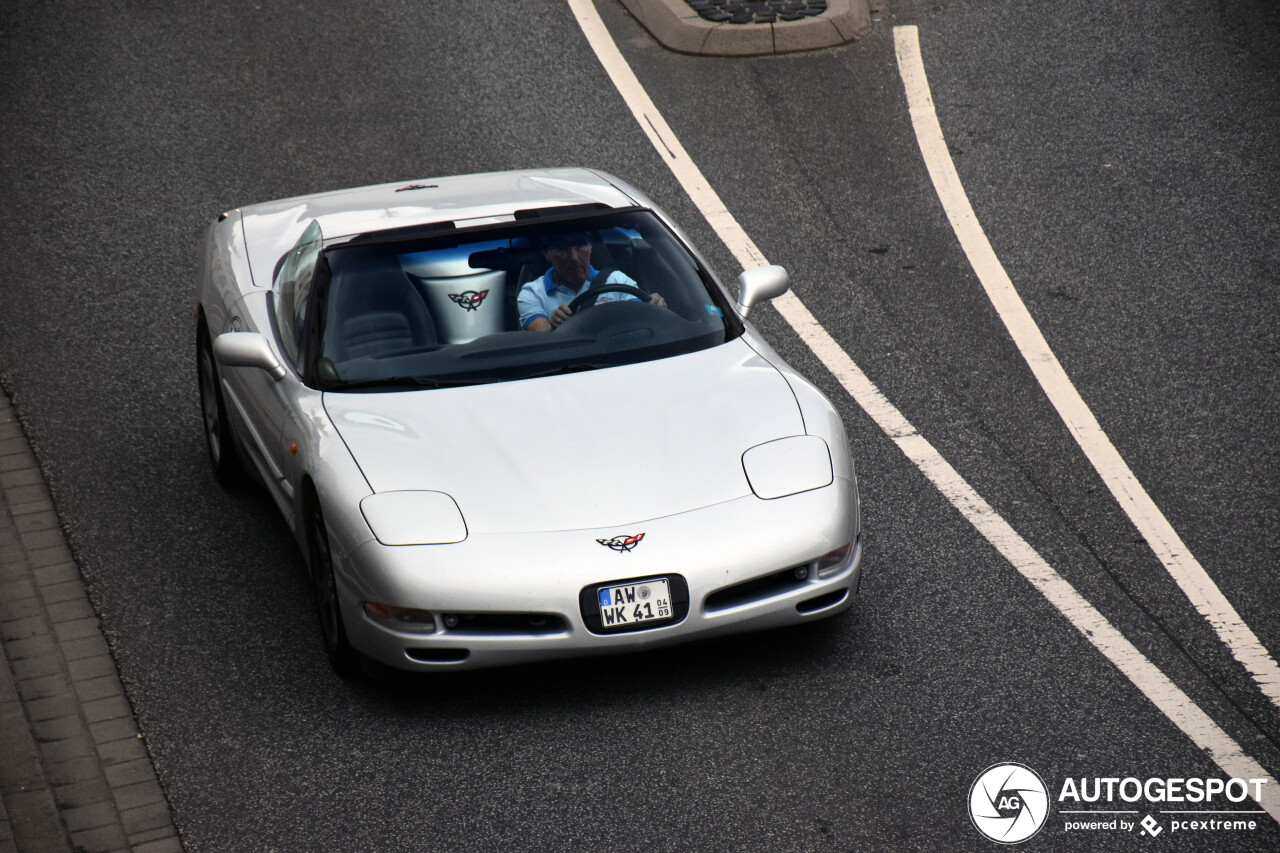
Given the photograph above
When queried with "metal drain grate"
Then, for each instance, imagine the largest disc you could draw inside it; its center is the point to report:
(757, 11)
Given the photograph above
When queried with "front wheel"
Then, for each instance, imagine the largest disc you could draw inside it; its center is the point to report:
(344, 659)
(217, 427)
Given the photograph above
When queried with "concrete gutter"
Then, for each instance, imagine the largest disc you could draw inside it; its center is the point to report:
(678, 27)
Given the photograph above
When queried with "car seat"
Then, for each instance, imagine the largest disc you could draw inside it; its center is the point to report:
(377, 310)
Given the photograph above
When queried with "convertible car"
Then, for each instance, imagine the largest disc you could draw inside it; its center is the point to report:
(514, 416)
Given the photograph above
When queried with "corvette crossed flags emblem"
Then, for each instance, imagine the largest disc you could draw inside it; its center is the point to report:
(622, 544)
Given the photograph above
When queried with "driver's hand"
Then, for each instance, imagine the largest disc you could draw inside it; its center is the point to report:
(559, 315)
(656, 299)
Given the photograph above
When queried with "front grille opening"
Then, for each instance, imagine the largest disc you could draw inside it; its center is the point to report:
(505, 624)
(822, 602)
(756, 589)
(438, 655)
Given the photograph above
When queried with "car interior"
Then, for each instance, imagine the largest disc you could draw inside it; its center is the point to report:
(394, 299)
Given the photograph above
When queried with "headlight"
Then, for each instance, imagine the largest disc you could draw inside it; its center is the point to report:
(401, 618)
(414, 518)
(788, 466)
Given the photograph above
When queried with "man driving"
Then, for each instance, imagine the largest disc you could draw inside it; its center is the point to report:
(544, 301)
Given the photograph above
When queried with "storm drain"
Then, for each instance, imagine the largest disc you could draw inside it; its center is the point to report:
(757, 11)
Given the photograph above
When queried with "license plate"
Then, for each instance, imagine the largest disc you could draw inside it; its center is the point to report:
(631, 603)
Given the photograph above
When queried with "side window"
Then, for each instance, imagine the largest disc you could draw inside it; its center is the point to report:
(292, 287)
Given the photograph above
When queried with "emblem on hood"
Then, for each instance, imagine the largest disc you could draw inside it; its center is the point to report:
(469, 299)
(622, 544)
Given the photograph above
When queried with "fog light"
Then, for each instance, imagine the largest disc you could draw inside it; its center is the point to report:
(451, 620)
(802, 572)
(401, 618)
(832, 562)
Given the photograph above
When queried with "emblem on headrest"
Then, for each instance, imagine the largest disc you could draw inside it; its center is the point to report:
(469, 299)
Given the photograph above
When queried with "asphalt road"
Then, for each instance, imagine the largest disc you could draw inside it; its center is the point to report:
(1123, 161)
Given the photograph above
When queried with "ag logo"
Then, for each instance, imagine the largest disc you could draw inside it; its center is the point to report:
(622, 544)
(470, 299)
(1008, 803)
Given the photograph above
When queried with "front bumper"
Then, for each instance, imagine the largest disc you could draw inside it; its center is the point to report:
(739, 560)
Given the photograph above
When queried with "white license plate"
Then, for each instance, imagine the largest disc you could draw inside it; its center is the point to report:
(629, 604)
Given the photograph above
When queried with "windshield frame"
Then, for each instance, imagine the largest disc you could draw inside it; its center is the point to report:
(440, 235)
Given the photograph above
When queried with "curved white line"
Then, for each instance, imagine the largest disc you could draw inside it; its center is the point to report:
(1153, 683)
(1075, 413)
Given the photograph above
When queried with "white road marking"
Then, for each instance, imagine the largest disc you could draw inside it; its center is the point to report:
(1153, 683)
(1133, 499)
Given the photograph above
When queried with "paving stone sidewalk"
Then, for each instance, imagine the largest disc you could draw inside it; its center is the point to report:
(74, 771)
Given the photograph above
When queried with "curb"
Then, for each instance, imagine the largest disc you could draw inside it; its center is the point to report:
(678, 27)
(76, 775)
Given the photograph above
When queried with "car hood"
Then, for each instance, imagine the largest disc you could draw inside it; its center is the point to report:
(604, 448)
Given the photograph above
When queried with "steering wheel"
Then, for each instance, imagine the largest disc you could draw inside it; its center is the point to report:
(587, 299)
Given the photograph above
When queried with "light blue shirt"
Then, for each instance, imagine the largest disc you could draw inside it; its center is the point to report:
(541, 296)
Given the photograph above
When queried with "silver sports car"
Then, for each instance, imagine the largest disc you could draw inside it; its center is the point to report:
(514, 416)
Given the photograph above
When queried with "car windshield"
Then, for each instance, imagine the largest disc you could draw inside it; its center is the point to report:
(460, 307)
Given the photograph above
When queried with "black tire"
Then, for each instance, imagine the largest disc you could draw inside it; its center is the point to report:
(219, 441)
(344, 659)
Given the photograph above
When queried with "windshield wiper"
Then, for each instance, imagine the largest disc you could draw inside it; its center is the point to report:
(576, 367)
(428, 382)
(407, 382)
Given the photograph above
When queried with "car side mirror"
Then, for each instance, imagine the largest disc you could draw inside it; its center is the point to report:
(760, 285)
(247, 349)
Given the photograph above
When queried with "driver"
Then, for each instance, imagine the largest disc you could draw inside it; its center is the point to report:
(544, 301)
